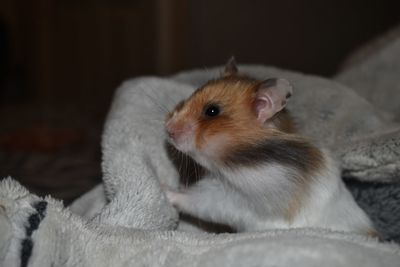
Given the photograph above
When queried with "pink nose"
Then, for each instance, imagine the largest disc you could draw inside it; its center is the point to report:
(171, 130)
(171, 133)
(177, 130)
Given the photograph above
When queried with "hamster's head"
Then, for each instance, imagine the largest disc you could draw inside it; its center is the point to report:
(225, 113)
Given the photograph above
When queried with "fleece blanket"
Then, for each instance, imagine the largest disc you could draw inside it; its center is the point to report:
(127, 221)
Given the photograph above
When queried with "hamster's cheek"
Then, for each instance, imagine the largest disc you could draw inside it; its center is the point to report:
(215, 146)
(209, 153)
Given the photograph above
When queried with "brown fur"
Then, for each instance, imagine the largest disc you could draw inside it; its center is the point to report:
(296, 202)
(235, 96)
(178, 107)
(237, 121)
(303, 182)
(284, 122)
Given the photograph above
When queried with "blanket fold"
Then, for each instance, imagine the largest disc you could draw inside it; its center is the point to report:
(127, 221)
(65, 239)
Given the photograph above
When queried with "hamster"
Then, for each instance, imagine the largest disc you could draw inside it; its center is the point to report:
(261, 173)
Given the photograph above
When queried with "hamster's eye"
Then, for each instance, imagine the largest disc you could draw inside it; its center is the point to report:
(211, 110)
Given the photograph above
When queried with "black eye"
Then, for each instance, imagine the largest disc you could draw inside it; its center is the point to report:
(211, 110)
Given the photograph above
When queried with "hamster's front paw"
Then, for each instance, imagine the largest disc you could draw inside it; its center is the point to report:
(173, 196)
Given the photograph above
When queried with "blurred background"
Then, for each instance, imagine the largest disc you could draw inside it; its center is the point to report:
(61, 61)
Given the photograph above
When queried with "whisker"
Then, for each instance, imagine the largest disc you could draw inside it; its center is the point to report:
(196, 173)
(153, 119)
(172, 100)
(186, 170)
(156, 102)
(181, 165)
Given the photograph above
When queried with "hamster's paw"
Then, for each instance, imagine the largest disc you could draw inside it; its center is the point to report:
(170, 193)
(172, 196)
(175, 197)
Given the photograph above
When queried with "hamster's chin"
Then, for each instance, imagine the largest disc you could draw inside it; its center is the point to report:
(183, 145)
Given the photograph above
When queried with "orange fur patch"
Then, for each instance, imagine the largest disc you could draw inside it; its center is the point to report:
(303, 183)
(237, 118)
(237, 121)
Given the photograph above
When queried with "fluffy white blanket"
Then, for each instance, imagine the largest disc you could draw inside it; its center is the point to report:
(127, 221)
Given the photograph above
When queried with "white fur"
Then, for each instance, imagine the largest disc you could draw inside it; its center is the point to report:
(252, 199)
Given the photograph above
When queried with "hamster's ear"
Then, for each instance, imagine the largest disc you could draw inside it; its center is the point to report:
(271, 97)
(230, 67)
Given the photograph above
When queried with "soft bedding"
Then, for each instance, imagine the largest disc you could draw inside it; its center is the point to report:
(127, 221)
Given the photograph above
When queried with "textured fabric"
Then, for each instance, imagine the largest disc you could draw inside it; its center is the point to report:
(381, 201)
(136, 225)
(376, 75)
(64, 239)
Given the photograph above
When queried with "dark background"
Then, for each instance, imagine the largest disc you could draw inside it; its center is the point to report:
(62, 60)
